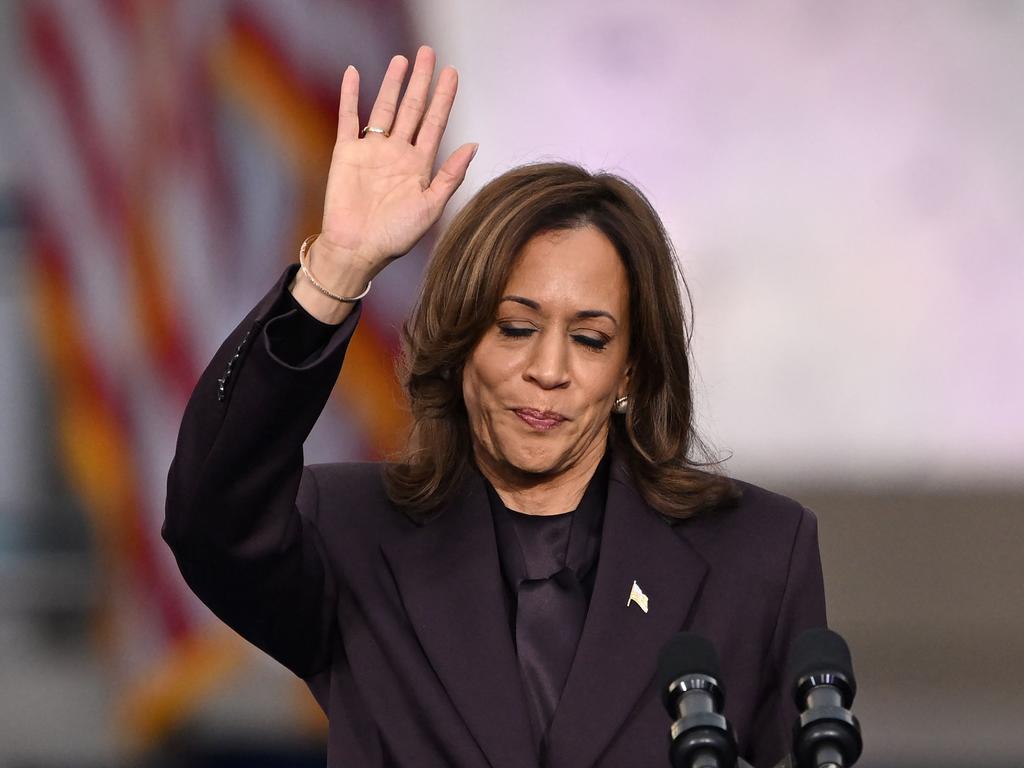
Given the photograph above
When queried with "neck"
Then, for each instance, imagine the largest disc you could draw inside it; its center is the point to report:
(543, 494)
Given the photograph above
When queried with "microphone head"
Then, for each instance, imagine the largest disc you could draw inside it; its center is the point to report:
(685, 654)
(817, 652)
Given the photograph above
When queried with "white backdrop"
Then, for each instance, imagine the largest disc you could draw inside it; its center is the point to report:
(844, 183)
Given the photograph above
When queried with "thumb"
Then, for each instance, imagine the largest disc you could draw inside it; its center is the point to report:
(450, 175)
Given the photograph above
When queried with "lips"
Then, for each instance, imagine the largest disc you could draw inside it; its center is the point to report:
(539, 419)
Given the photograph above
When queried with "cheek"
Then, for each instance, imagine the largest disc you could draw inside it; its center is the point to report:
(604, 379)
(470, 392)
(477, 392)
(485, 374)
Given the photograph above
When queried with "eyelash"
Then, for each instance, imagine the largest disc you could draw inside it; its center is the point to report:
(590, 343)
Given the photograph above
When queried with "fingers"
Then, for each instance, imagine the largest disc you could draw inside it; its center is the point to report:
(348, 106)
(414, 102)
(436, 118)
(383, 113)
(450, 175)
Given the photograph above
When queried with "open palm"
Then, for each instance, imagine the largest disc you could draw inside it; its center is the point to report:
(382, 195)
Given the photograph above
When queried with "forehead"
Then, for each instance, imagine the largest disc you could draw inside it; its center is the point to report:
(576, 267)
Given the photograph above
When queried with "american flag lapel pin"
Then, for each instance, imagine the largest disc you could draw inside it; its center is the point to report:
(636, 595)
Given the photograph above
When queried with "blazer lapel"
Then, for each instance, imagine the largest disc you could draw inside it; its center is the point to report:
(449, 578)
(617, 654)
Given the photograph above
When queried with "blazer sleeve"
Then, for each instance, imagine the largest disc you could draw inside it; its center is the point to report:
(802, 607)
(237, 482)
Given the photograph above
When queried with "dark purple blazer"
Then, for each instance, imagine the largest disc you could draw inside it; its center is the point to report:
(400, 629)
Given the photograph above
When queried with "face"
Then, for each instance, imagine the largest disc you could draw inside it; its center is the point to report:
(540, 385)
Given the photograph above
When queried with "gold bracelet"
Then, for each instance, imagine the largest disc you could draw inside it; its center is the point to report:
(304, 257)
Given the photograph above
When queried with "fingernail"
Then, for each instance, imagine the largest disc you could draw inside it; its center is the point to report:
(475, 148)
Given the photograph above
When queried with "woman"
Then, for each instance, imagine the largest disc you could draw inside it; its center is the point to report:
(498, 594)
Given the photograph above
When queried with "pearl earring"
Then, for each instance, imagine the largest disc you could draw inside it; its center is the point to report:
(621, 404)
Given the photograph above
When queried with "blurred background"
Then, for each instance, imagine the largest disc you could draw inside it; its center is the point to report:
(844, 183)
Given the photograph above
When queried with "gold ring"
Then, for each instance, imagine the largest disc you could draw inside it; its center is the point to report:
(370, 129)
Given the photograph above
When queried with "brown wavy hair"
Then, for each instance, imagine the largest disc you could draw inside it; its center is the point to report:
(669, 464)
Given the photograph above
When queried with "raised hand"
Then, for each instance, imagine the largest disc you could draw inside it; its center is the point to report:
(382, 194)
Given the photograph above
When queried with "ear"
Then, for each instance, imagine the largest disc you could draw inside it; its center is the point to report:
(623, 388)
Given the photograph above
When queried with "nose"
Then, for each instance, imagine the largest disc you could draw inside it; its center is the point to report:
(548, 363)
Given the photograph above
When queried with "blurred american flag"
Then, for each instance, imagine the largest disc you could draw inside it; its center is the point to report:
(172, 155)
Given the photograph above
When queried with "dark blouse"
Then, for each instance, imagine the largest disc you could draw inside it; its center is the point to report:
(548, 563)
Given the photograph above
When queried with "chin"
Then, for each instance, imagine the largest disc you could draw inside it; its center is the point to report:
(534, 464)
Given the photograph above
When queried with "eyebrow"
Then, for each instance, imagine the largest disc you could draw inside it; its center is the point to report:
(582, 314)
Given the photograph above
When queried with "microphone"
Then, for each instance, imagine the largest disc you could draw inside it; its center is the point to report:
(691, 690)
(826, 735)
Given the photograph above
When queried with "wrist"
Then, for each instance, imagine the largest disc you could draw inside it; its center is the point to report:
(323, 308)
(341, 271)
(340, 280)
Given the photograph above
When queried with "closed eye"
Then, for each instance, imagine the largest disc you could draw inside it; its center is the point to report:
(590, 342)
(594, 343)
(515, 331)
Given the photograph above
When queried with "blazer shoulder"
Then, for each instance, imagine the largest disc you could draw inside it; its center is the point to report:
(762, 505)
(365, 473)
(349, 493)
(760, 530)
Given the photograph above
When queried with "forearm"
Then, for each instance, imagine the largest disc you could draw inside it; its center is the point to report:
(239, 452)
(231, 516)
